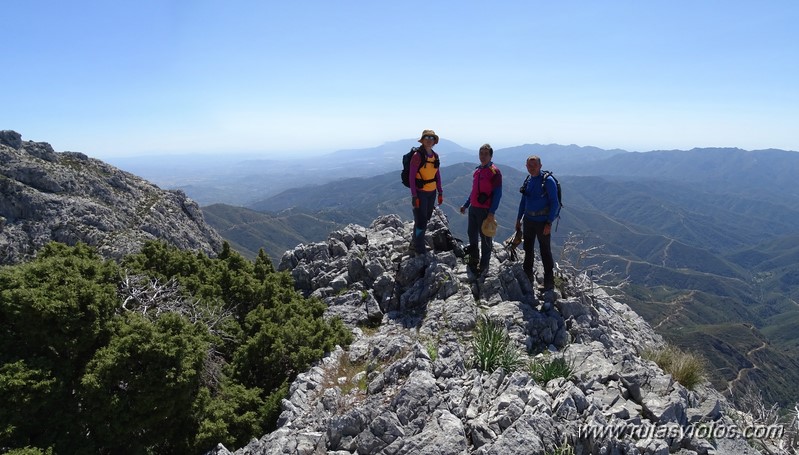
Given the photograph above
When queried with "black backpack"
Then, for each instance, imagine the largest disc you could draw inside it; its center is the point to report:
(545, 174)
(557, 183)
(406, 166)
(406, 169)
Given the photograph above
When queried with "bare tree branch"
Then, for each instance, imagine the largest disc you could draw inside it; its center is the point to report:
(581, 269)
(152, 298)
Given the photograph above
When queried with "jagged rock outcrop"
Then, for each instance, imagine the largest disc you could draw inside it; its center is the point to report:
(69, 197)
(407, 386)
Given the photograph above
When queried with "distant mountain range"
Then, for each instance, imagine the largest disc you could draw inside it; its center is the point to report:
(707, 237)
(242, 180)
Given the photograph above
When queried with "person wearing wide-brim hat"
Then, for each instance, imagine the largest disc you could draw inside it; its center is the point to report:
(424, 166)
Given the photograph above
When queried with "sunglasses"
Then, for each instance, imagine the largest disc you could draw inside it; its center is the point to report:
(429, 137)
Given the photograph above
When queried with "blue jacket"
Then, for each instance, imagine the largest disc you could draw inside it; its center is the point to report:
(539, 203)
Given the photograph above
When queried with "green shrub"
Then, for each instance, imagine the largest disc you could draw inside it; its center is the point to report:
(30, 451)
(202, 351)
(493, 347)
(233, 411)
(545, 369)
(686, 368)
(55, 313)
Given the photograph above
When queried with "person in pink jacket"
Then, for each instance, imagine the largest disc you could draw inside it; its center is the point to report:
(482, 203)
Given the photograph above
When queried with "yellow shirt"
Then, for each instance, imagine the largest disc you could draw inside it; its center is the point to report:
(427, 171)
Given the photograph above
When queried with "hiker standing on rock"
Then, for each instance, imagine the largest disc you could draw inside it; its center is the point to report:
(482, 204)
(538, 208)
(425, 167)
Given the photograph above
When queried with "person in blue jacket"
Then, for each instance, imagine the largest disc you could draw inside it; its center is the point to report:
(538, 209)
(482, 204)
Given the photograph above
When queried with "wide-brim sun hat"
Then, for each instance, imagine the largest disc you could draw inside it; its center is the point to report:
(429, 133)
(489, 227)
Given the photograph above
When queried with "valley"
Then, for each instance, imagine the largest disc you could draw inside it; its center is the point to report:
(709, 259)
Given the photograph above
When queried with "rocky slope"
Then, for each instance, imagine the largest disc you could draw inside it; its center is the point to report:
(69, 197)
(407, 385)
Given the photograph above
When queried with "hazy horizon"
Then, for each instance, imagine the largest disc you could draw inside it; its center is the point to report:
(292, 155)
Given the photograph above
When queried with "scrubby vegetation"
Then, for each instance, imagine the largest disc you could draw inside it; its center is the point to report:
(563, 449)
(685, 367)
(165, 352)
(543, 369)
(492, 347)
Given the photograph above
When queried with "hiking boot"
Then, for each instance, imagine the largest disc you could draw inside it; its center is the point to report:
(414, 253)
(549, 298)
(530, 277)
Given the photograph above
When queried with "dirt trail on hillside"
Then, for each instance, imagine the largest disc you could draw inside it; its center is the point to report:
(748, 355)
(680, 304)
(666, 253)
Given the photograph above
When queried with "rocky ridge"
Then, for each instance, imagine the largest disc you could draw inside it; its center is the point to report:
(407, 386)
(69, 197)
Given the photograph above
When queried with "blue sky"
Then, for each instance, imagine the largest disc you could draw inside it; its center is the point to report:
(123, 78)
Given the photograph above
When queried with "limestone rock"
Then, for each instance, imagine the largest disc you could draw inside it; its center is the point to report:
(414, 318)
(68, 197)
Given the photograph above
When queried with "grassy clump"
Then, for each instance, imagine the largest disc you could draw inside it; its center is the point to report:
(432, 350)
(563, 449)
(685, 367)
(350, 370)
(493, 348)
(545, 369)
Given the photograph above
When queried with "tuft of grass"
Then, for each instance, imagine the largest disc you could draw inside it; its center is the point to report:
(432, 350)
(342, 291)
(369, 328)
(493, 348)
(563, 449)
(545, 369)
(685, 367)
(349, 370)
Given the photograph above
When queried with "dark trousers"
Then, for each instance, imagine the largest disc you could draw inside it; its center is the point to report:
(421, 216)
(535, 230)
(476, 217)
